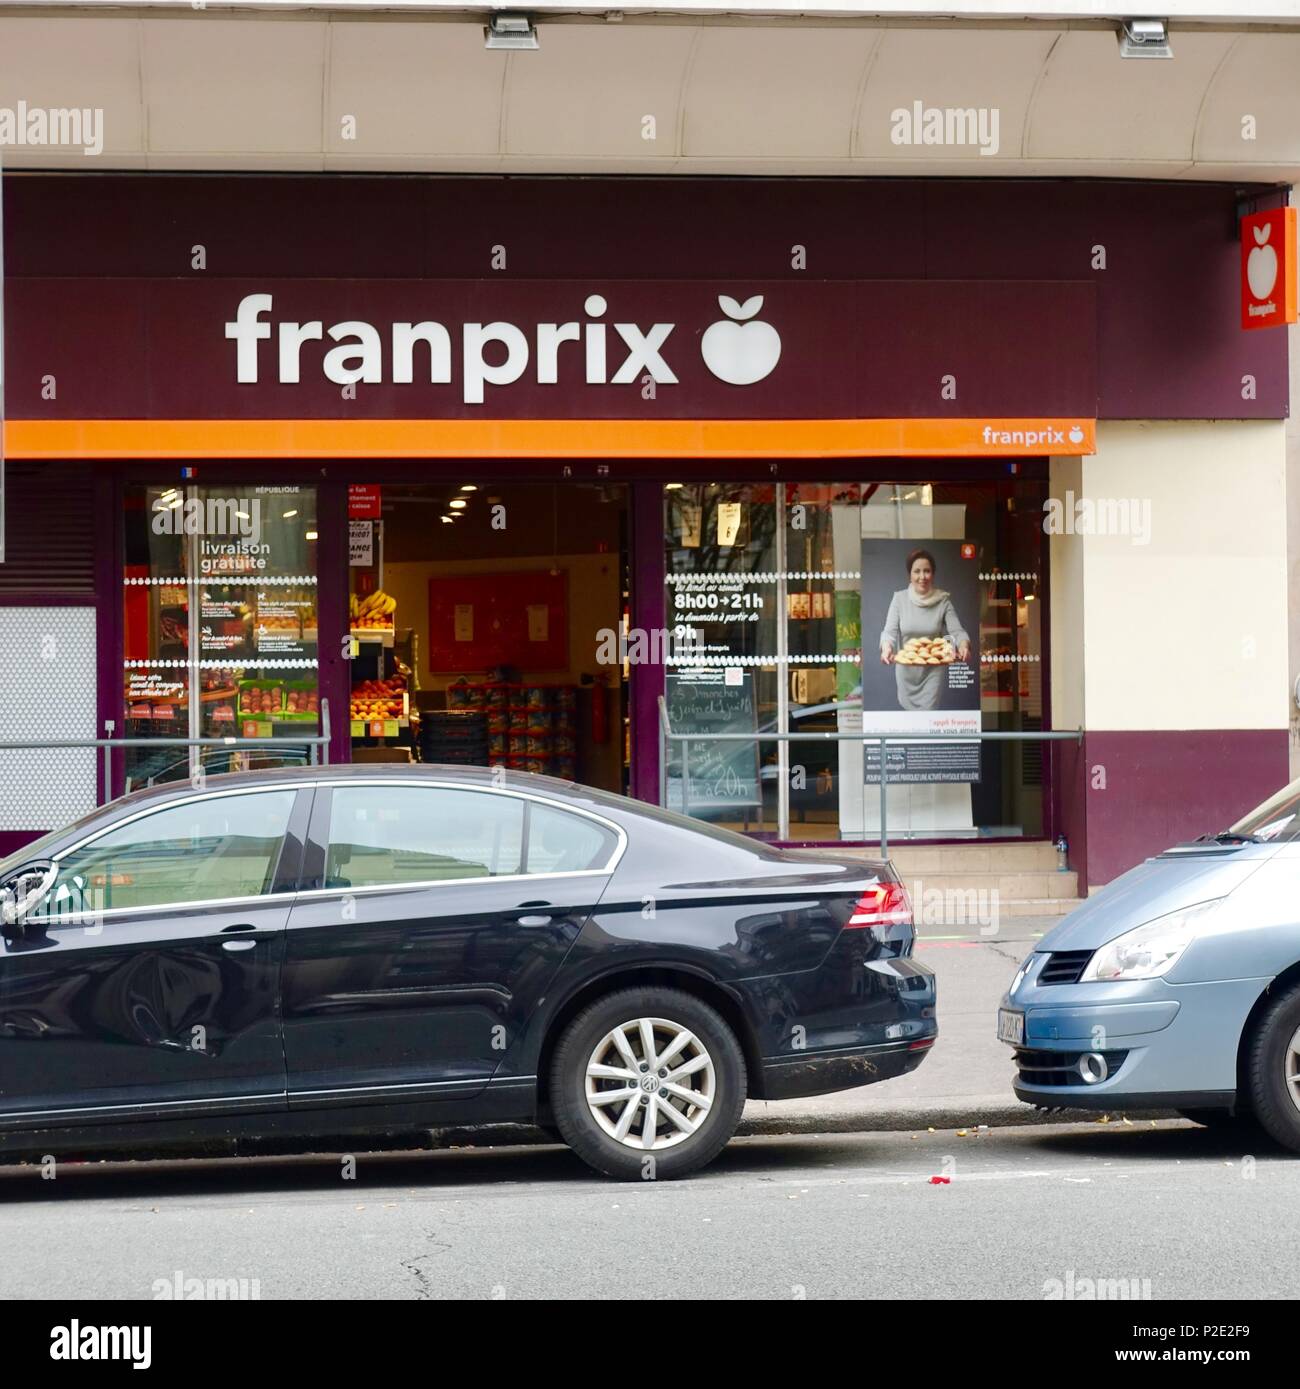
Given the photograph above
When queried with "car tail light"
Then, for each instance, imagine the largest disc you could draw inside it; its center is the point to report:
(885, 904)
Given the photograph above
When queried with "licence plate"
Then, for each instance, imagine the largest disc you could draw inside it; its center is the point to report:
(1011, 1027)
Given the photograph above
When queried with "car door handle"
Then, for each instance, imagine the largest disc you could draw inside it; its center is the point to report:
(533, 919)
(245, 934)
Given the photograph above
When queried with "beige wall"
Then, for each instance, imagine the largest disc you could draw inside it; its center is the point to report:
(1188, 631)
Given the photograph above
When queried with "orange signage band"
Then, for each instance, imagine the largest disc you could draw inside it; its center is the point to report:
(478, 438)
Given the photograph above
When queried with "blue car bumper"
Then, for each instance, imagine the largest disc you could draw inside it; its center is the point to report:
(1133, 1044)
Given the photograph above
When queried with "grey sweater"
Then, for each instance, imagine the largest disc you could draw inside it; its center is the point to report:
(907, 618)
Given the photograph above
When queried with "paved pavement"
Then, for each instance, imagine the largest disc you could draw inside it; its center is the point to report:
(1161, 1209)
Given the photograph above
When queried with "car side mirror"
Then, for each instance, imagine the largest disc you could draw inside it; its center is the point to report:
(20, 892)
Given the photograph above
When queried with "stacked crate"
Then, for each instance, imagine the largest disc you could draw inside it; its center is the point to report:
(530, 728)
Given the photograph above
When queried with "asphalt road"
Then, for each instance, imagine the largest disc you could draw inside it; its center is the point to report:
(1028, 1211)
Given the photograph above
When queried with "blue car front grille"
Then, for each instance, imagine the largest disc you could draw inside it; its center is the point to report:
(1064, 966)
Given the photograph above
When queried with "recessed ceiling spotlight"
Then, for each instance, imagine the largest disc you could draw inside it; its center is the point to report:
(1145, 38)
(510, 31)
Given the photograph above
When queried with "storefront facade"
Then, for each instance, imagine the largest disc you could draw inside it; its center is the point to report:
(717, 418)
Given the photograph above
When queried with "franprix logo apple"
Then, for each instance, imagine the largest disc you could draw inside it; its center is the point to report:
(1076, 435)
(1261, 264)
(739, 349)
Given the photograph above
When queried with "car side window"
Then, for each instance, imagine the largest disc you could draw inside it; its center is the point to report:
(559, 842)
(201, 850)
(390, 835)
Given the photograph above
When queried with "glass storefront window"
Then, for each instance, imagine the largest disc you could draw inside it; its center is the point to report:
(220, 626)
(857, 607)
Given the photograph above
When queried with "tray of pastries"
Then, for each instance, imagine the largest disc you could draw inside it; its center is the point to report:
(927, 651)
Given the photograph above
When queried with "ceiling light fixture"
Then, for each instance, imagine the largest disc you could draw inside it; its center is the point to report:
(510, 31)
(1145, 38)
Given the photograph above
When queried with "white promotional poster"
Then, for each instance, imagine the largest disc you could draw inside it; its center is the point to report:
(920, 657)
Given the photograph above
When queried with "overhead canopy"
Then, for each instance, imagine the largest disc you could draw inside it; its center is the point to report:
(678, 94)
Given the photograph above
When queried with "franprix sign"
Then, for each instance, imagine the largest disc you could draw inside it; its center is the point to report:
(552, 350)
(1268, 268)
(737, 349)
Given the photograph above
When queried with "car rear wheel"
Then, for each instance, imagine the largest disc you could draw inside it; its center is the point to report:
(1273, 1069)
(648, 1084)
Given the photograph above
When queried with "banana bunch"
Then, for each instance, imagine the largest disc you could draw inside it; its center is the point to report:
(374, 610)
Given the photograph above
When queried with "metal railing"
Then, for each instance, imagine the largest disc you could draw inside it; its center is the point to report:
(318, 745)
(863, 736)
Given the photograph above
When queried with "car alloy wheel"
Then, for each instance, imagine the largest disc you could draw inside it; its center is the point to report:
(1291, 1067)
(650, 1083)
(647, 1083)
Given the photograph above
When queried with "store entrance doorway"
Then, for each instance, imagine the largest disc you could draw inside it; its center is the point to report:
(476, 612)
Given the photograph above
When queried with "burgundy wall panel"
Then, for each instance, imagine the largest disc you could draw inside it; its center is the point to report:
(1164, 787)
(147, 349)
(1168, 341)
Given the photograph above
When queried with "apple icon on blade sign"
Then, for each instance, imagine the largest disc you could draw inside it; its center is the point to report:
(738, 351)
(1261, 264)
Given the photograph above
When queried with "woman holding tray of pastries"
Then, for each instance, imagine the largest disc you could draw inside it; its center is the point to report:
(922, 635)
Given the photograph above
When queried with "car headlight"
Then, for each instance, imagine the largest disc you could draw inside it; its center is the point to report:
(1150, 950)
(1021, 972)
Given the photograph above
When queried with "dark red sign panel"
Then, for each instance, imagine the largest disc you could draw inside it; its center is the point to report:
(364, 501)
(549, 349)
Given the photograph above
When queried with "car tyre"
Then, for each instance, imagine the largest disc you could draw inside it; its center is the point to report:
(703, 1061)
(1273, 1069)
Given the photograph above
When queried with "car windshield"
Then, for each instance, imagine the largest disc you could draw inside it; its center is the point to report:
(1276, 821)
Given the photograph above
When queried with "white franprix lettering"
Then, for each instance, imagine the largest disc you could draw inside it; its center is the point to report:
(491, 354)
(405, 336)
(368, 353)
(475, 338)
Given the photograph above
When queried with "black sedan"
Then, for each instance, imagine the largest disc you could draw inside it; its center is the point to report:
(329, 951)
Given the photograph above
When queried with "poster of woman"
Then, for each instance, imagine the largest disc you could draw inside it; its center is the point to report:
(920, 653)
(922, 634)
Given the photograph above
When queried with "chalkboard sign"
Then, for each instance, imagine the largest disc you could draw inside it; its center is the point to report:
(724, 777)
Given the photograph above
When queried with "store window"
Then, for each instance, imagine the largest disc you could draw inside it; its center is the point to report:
(857, 608)
(220, 627)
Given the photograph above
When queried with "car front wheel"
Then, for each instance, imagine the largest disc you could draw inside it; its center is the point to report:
(648, 1084)
(1273, 1069)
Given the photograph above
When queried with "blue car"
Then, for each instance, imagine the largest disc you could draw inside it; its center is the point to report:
(1176, 987)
